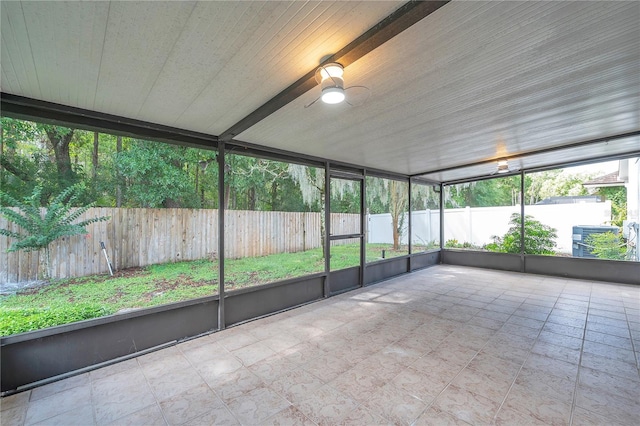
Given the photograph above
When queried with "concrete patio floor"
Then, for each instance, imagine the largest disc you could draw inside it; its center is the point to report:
(446, 345)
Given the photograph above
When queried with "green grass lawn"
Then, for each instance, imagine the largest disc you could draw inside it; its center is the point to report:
(69, 300)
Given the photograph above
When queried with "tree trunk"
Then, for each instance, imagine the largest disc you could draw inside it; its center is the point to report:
(94, 157)
(118, 177)
(251, 198)
(60, 143)
(44, 272)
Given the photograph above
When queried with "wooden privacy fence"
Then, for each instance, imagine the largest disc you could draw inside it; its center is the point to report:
(140, 237)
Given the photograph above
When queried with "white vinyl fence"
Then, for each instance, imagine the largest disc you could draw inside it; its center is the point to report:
(478, 224)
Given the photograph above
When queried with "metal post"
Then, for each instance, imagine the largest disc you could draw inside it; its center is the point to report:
(522, 230)
(221, 166)
(441, 220)
(327, 228)
(410, 236)
(363, 226)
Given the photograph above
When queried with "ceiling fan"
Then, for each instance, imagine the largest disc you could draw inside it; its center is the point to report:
(330, 77)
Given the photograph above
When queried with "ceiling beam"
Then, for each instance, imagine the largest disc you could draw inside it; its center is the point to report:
(401, 19)
(525, 154)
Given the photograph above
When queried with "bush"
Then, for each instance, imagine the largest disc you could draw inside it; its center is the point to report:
(538, 237)
(607, 246)
(453, 243)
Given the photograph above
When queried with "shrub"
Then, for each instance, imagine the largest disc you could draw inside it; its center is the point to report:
(538, 237)
(607, 246)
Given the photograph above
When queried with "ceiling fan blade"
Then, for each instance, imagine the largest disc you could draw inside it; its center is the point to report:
(316, 100)
(359, 96)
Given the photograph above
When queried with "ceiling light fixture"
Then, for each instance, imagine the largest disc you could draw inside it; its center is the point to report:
(503, 166)
(332, 83)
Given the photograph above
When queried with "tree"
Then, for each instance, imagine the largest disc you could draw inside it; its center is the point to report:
(40, 229)
(159, 175)
(538, 237)
(499, 191)
(392, 196)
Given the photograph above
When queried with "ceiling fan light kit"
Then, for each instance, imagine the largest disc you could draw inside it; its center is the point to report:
(503, 166)
(332, 83)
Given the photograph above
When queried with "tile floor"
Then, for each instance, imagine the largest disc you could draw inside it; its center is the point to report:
(447, 345)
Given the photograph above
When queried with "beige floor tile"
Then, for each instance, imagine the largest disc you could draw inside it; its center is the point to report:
(397, 405)
(467, 406)
(419, 384)
(494, 367)
(327, 406)
(608, 339)
(542, 382)
(218, 416)
(175, 381)
(363, 416)
(582, 417)
(58, 403)
(233, 339)
(556, 367)
(544, 409)
(119, 367)
(158, 355)
(611, 366)
(436, 417)
(560, 340)
(253, 353)
(564, 329)
(161, 366)
(479, 384)
(510, 417)
(216, 369)
(14, 416)
(190, 404)
(273, 367)
(257, 405)
(15, 400)
(61, 385)
(614, 385)
(559, 352)
(290, 416)
(296, 385)
(234, 384)
(151, 415)
(608, 351)
(199, 354)
(327, 367)
(80, 416)
(616, 408)
(115, 400)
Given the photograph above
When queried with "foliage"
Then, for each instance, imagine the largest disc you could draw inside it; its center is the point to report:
(499, 191)
(453, 243)
(40, 229)
(538, 237)
(554, 183)
(18, 320)
(618, 197)
(607, 245)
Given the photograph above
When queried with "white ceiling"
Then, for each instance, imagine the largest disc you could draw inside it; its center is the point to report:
(471, 82)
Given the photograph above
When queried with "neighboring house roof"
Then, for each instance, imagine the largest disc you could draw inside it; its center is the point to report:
(610, 179)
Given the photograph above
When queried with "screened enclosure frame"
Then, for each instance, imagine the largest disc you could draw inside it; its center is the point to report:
(196, 317)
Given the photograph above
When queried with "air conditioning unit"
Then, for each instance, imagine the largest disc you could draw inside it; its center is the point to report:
(580, 234)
